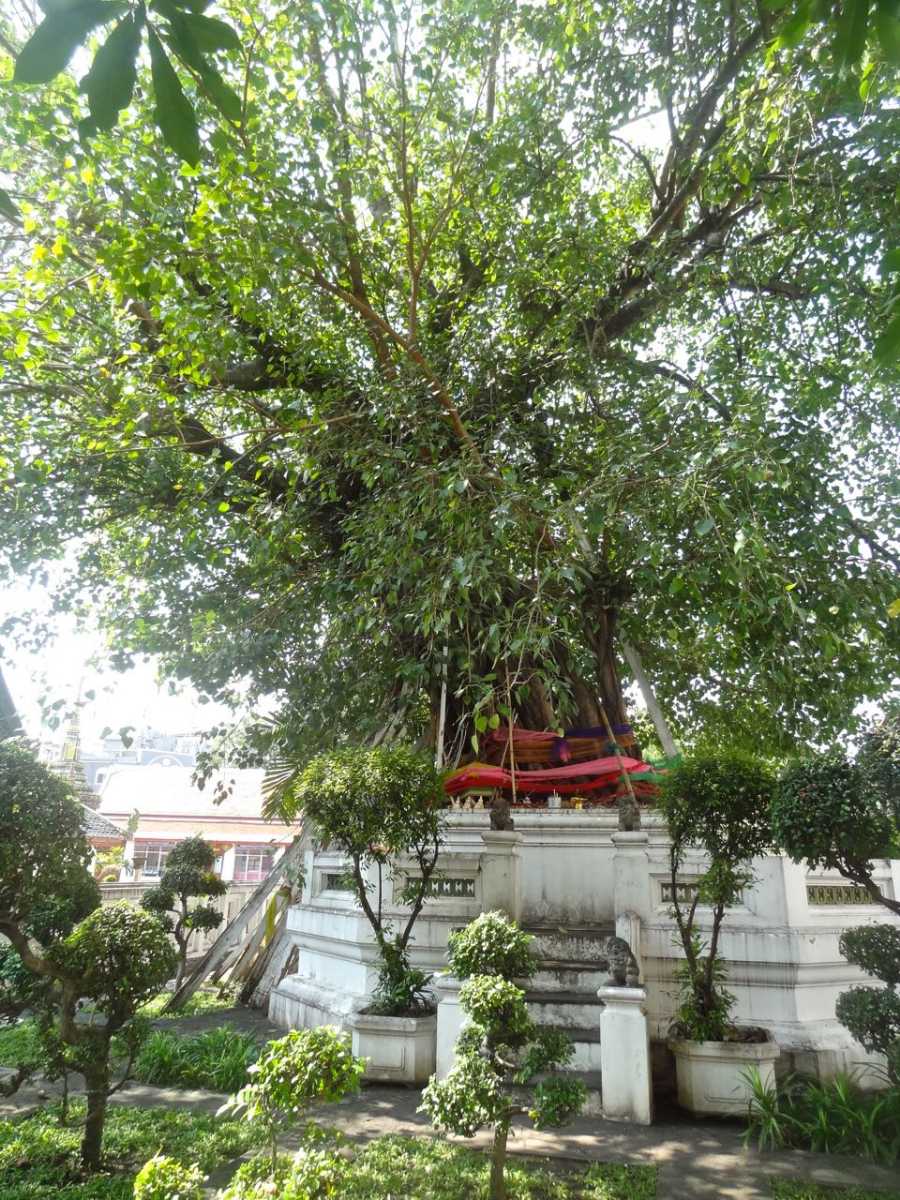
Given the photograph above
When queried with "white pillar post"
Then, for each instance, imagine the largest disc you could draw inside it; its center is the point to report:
(625, 1055)
(451, 1021)
(501, 882)
(632, 892)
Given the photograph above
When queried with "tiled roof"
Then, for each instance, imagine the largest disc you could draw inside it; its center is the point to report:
(96, 826)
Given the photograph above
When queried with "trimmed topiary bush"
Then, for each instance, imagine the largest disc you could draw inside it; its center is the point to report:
(491, 945)
(843, 814)
(501, 1048)
(872, 1015)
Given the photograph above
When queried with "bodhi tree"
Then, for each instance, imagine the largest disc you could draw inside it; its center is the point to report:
(114, 958)
(486, 353)
(188, 874)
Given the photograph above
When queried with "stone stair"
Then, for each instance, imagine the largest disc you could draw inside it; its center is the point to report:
(563, 995)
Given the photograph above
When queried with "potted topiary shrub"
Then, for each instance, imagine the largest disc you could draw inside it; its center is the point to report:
(719, 804)
(377, 806)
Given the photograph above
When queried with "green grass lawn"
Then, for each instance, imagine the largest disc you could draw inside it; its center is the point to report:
(19, 1045)
(399, 1168)
(795, 1189)
(39, 1160)
(39, 1157)
(204, 1000)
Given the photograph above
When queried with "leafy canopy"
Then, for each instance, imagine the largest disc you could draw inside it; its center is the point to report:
(446, 359)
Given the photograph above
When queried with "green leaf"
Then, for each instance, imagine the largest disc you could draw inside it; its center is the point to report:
(481, 723)
(852, 25)
(887, 346)
(226, 99)
(891, 262)
(110, 82)
(174, 113)
(887, 26)
(7, 207)
(211, 34)
(48, 50)
(705, 526)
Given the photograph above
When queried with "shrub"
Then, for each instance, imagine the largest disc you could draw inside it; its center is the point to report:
(491, 945)
(45, 886)
(835, 1117)
(719, 804)
(310, 1175)
(118, 957)
(303, 1068)
(500, 1047)
(188, 874)
(218, 1059)
(115, 957)
(163, 1178)
(375, 805)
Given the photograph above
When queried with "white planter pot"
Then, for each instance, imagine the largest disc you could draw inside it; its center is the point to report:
(711, 1074)
(398, 1049)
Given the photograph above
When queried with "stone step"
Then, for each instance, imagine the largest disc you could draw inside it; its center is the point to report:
(593, 1106)
(586, 1046)
(569, 975)
(567, 1010)
(583, 944)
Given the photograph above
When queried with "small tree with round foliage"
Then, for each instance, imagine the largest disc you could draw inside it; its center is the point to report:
(70, 951)
(376, 805)
(872, 1015)
(826, 812)
(188, 874)
(501, 1052)
(116, 959)
(717, 803)
(306, 1067)
(843, 814)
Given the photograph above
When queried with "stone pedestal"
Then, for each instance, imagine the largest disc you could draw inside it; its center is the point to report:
(450, 1021)
(501, 882)
(625, 1055)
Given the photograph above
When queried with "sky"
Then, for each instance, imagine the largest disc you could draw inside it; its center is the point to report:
(73, 659)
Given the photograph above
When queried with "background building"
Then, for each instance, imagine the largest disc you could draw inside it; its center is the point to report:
(165, 806)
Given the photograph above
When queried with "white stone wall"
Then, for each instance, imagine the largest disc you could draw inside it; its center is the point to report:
(577, 872)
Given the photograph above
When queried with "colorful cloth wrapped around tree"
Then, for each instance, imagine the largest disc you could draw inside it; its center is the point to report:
(571, 779)
(547, 747)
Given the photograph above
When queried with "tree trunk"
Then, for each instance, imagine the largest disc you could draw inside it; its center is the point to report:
(602, 641)
(498, 1161)
(97, 1080)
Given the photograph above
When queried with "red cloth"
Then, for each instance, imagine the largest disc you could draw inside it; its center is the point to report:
(596, 773)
